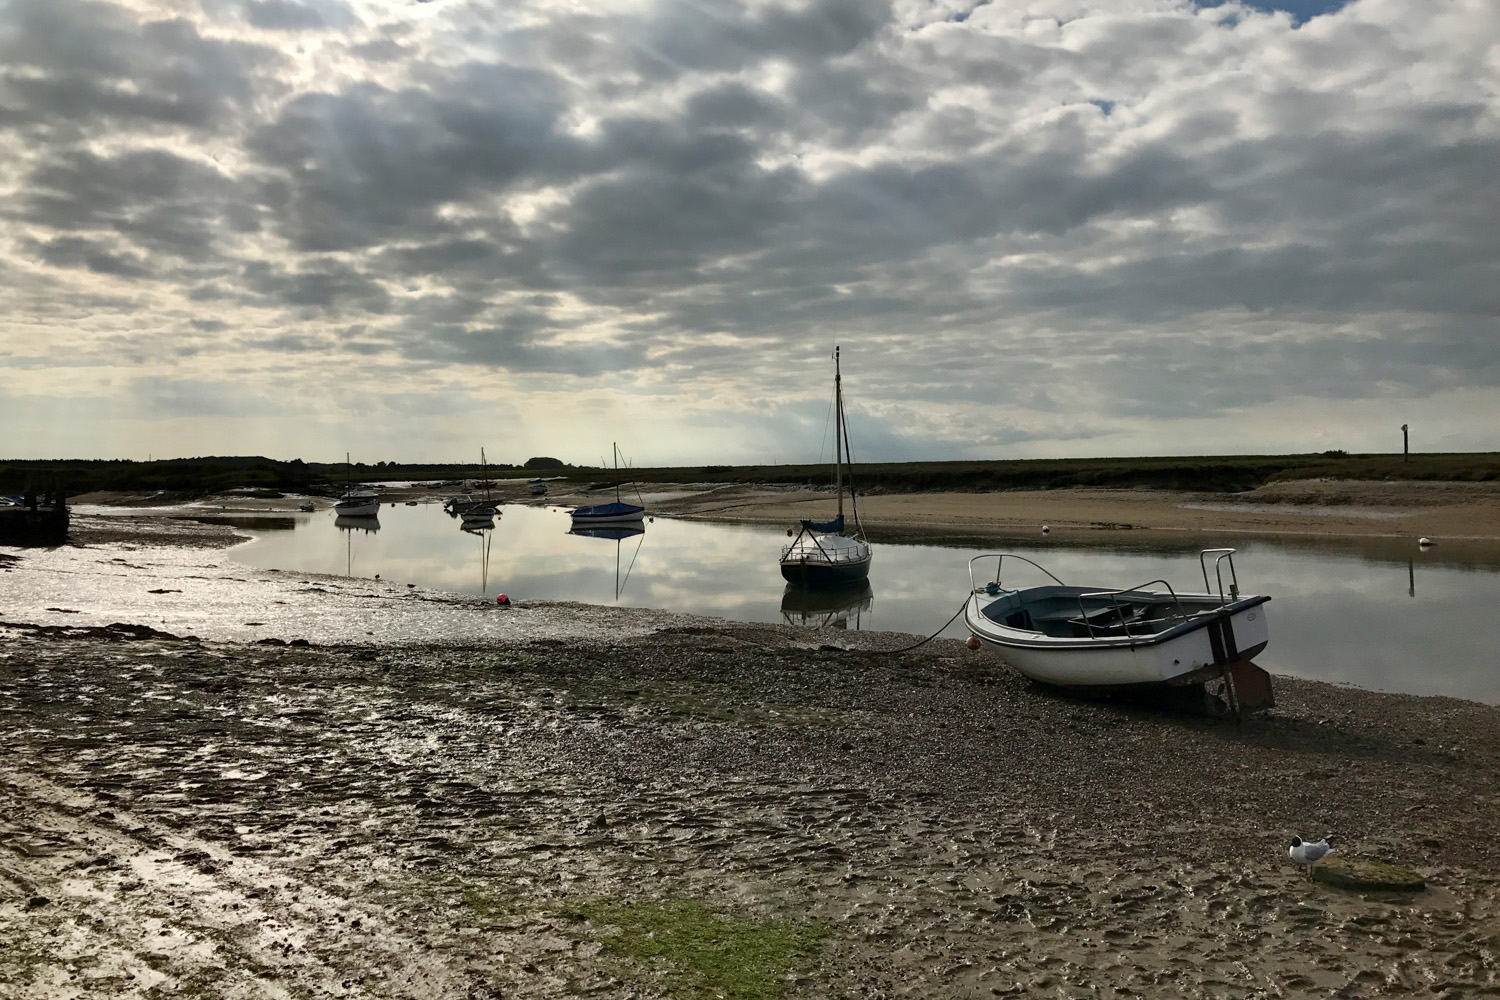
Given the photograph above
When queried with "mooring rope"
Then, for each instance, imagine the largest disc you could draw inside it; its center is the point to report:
(923, 642)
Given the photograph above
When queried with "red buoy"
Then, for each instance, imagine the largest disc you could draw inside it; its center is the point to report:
(503, 601)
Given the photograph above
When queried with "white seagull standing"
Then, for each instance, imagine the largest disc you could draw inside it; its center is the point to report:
(1305, 853)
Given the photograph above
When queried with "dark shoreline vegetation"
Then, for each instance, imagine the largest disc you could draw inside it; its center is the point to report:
(190, 477)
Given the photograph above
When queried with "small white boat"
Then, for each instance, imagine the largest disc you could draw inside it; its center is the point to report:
(1092, 637)
(357, 503)
(538, 487)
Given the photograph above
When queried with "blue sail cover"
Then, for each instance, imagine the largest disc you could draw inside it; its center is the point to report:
(834, 527)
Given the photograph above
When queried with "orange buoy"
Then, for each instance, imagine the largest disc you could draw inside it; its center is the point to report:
(973, 642)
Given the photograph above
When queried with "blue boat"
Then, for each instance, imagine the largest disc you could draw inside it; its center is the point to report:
(618, 512)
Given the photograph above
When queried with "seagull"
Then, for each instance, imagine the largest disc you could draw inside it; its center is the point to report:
(1305, 853)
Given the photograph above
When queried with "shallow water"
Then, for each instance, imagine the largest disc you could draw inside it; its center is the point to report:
(1377, 613)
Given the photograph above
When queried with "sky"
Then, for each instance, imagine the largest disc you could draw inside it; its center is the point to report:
(411, 230)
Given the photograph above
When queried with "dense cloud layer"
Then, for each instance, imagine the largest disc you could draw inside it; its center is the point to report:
(1058, 226)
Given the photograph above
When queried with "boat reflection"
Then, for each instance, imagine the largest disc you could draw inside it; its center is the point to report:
(826, 608)
(347, 522)
(617, 532)
(485, 532)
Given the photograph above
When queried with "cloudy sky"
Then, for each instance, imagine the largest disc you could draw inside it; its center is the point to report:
(410, 230)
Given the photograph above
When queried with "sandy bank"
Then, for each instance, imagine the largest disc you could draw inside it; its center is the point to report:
(1325, 507)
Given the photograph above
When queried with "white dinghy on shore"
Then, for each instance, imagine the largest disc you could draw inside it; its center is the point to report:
(1136, 637)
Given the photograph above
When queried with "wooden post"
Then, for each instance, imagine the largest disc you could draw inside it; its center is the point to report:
(1405, 445)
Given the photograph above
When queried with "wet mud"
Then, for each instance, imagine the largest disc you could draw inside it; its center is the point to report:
(207, 819)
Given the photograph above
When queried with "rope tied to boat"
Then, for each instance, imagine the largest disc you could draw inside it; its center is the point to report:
(922, 642)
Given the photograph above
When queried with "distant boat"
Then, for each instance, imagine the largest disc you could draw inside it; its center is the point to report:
(307, 507)
(476, 510)
(618, 512)
(1101, 638)
(538, 488)
(356, 501)
(829, 553)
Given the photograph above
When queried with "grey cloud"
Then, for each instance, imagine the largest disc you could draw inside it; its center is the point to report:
(73, 251)
(724, 36)
(288, 15)
(517, 346)
(160, 201)
(71, 67)
(332, 287)
(371, 165)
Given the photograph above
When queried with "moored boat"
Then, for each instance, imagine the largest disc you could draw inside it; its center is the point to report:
(1102, 638)
(829, 553)
(618, 512)
(358, 503)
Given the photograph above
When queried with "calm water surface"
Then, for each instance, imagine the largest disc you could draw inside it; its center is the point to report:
(1375, 613)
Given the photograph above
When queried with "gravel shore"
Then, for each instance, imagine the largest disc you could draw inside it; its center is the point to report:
(590, 801)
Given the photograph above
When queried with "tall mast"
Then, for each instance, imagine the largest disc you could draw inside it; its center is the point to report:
(615, 447)
(838, 429)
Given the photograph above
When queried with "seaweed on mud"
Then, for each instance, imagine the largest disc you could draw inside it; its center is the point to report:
(705, 954)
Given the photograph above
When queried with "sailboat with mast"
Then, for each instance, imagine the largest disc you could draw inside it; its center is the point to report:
(484, 510)
(618, 512)
(360, 502)
(831, 553)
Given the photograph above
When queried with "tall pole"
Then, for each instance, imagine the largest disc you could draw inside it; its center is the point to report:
(838, 429)
(1405, 445)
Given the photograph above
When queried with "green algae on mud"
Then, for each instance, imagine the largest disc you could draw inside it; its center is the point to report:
(706, 954)
(1364, 874)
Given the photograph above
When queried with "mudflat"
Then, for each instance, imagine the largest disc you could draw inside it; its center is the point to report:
(559, 800)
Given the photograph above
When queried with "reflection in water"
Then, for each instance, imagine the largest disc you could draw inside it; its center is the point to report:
(617, 532)
(1342, 610)
(485, 533)
(826, 608)
(349, 524)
